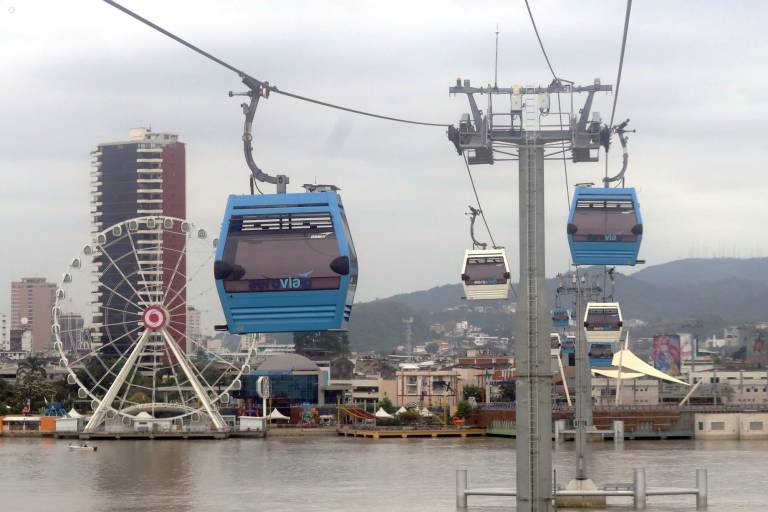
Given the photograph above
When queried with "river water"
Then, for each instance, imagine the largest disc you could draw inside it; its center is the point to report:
(327, 473)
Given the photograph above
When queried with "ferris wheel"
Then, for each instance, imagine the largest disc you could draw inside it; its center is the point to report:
(127, 333)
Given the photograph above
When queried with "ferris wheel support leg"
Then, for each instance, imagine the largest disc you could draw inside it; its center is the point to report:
(202, 396)
(109, 397)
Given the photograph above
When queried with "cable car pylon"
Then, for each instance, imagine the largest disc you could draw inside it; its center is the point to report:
(517, 125)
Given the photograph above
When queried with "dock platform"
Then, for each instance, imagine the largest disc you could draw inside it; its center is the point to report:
(405, 432)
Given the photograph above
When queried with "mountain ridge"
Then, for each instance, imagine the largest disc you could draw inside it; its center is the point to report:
(707, 294)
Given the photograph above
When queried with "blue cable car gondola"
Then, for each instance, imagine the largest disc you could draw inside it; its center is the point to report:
(561, 317)
(286, 263)
(605, 226)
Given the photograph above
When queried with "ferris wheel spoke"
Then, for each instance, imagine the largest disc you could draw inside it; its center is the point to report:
(106, 402)
(121, 310)
(129, 301)
(200, 374)
(217, 356)
(191, 277)
(169, 286)
(122, 274)
(109, 370)
(197, 295)
(138, 263)
(111, 343)
(173, 370)
(202, 394)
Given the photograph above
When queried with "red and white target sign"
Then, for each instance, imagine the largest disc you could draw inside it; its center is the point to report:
(155, 318)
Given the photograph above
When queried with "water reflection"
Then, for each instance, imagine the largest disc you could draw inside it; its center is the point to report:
(337, 474)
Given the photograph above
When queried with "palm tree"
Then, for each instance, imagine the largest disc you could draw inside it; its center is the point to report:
(31, 366)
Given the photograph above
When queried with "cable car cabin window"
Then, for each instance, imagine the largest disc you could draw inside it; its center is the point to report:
(604, 221)
(485, 270)
(353, 268)
(560, 315)
(603, 320)
(281, 254)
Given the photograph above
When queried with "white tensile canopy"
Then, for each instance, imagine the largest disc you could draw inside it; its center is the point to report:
(144, 415)
(277, 415)
(626, 359)
(382, 414)
(425, 413)
(632, 367)
(614, 374)
(401, 410)
(74, 414)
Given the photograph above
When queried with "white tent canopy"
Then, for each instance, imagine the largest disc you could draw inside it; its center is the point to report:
(382, 414)
(628, 361)
(425, 413)
(401, 410)
(277, 415)
(74, 414)
(614, 374)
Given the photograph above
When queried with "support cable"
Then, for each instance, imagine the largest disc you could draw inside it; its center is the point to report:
(559, 108)
(249, 80)
(541, 45)
(621, 60)
(479, 206)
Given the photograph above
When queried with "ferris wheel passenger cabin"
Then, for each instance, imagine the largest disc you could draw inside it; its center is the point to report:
(485, 274)
(605, 226)
(286, 262)
(603, 321)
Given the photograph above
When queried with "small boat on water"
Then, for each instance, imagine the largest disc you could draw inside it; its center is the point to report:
(83, 447)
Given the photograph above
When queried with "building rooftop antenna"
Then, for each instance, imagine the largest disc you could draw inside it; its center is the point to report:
(496, 61)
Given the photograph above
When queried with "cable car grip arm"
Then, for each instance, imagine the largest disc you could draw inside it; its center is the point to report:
(620, 131)
(257, 90)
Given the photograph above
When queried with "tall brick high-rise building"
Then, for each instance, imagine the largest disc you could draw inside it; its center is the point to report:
(32, 299)
(144, 175)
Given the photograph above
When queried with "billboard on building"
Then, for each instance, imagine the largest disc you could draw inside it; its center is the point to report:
(600, 355)
(666, 354)
(759, 346)
(686, 346)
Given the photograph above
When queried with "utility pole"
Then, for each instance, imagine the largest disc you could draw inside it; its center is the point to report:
(526, 125)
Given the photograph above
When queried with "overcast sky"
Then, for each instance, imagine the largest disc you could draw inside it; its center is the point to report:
(79, 73)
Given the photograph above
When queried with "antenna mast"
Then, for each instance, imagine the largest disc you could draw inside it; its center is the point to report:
(496, 61)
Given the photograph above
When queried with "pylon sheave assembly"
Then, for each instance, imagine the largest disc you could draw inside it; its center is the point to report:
(129, 338)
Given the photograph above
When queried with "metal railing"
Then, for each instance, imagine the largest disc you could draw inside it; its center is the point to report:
(638, 490)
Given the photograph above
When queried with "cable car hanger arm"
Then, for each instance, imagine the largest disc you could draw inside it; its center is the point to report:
(620, 131)
(258, 90)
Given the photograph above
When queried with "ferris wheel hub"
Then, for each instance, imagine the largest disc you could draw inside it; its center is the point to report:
(155, 318)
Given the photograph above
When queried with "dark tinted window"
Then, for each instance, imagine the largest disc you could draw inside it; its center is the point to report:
(353, 268)
(604, 319)
(486, 270)
(604, 221)
(601, 351)
(282, 261)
